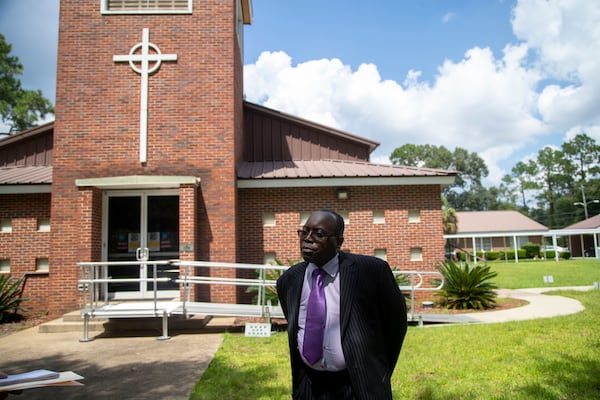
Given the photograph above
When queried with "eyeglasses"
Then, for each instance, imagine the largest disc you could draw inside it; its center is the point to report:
(317, 234)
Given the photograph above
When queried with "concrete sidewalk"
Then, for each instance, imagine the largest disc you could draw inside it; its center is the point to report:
(121, 367)
(540, 306)
(114, 367)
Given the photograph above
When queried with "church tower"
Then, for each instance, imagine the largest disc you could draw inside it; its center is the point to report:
(147, 135)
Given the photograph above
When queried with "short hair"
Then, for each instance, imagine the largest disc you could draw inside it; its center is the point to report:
(339, 221)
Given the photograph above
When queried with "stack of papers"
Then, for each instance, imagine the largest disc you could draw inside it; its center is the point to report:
(39, 378)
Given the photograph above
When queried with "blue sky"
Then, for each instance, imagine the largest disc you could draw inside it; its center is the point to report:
(397, 36)
(502, 78)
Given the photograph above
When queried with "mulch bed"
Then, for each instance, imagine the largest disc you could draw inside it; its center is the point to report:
(16, 322)
(503, 303)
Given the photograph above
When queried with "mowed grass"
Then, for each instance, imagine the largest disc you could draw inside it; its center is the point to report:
(554, 358)
(530, 273)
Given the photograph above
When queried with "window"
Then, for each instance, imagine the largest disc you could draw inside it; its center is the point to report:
(485, 244)
(5, 225)
(4, 265)
(414, 216)
(41, 264)
(416, 254)
(378, 217)
(146, 6)
(521, 241)
(268, 219)
(304, 217)
(44, 224)
(345, 215)
(269, 259)
(381, 253)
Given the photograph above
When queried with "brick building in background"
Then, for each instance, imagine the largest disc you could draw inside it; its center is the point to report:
(154, 153)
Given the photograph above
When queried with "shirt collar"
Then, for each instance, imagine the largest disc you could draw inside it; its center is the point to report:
(332, 266)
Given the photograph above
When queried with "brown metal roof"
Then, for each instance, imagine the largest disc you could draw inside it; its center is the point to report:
(29, 148)
(36, 130)
(330, 169)
(25, 175)
(590, 223)
(252, 109)
(496, 221)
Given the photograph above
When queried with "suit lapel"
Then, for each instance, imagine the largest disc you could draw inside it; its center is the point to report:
(348, 276)
(296, 293)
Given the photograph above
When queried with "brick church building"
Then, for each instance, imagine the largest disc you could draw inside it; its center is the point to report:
(154, 153)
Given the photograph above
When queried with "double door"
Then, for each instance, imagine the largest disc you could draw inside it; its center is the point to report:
(141, 227)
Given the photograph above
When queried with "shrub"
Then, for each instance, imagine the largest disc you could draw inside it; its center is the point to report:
(531, 250)
(465, 287)
(11, 295)
(510, 254)
(492, 255)
(403, 280)
(270, 291)
(550, 254)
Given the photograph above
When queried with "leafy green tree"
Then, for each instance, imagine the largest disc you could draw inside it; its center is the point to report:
(449, 218)
(524, 175)
(507, 191)
(19, 108)
(555, 184)
(465, 192)
(584, 154)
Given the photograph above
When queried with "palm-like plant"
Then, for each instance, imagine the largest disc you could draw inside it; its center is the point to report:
(11, 295)
(467, 288)
(270, 291)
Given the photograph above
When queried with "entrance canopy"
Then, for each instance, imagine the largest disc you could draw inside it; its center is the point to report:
(138, 182)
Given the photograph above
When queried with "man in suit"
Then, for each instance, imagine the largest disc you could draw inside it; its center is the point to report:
(365, 317)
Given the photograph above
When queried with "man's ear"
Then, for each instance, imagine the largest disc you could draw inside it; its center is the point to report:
(339, 241)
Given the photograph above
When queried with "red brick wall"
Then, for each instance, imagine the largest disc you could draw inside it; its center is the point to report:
(397, 235)
(191, 122)
(25, 244)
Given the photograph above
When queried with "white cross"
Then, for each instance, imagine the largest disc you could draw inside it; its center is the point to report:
(144, 58)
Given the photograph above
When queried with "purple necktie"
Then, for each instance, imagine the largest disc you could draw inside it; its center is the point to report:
(314, 327)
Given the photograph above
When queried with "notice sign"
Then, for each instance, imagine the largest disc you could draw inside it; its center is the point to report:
(548, 279)
(257, 330)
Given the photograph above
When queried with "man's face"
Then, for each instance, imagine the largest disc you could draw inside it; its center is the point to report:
(318, 244)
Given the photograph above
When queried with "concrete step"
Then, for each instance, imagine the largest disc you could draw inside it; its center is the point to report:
(72, 322)
(60, 326)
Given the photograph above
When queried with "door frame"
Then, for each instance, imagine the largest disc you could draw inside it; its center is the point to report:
(143, 194)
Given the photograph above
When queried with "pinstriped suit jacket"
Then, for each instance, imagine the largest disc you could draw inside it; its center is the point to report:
(373, 324)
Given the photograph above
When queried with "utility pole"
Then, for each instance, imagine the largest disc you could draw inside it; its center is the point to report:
(585, 203)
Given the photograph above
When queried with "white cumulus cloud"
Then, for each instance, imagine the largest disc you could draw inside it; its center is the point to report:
(546, 82)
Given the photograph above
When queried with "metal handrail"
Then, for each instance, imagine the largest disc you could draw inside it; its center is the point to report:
(95, 279)
(416, 287)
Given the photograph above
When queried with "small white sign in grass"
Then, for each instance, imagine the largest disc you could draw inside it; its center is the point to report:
(548, 279)
(257, 330)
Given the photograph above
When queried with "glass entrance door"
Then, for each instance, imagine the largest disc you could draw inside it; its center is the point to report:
(142, 226)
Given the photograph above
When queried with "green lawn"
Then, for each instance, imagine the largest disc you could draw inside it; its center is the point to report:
(554, 359)
(530, 273)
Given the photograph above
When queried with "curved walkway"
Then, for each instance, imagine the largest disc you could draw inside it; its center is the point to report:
(540, 306)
